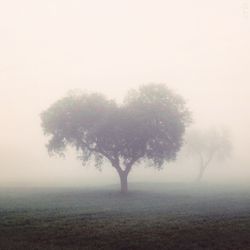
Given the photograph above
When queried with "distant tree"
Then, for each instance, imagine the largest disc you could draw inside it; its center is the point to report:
(149, 125)
(208, 145)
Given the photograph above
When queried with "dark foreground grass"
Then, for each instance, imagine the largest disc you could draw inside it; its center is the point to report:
(173, 218)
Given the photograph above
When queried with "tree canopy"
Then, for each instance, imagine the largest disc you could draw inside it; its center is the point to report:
(148, 125)
(208, 145)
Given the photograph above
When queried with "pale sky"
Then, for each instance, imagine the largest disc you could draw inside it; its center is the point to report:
(201, 49)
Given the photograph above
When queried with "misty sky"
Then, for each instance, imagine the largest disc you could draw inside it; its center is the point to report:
(201, 49)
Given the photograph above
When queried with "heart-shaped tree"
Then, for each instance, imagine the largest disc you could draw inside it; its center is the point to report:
(149, 125)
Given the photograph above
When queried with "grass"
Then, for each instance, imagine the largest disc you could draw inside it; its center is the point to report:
(149, 217)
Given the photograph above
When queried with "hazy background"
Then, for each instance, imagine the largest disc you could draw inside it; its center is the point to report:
(201, 49)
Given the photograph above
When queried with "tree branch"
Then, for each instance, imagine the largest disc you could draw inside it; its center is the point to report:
(133, 161)
(114, 161)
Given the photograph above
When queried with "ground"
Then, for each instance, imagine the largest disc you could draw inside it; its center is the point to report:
(153, 216)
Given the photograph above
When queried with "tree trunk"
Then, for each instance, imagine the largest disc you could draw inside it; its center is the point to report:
(203, 166)
(124, 182)
(201, 173)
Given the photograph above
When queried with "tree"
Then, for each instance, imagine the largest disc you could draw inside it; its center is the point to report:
(149, 125)
(208, 145)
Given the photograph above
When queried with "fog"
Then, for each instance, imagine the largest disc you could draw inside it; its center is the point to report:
(200, 49)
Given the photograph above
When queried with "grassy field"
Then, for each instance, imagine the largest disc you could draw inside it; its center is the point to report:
(158, 216)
